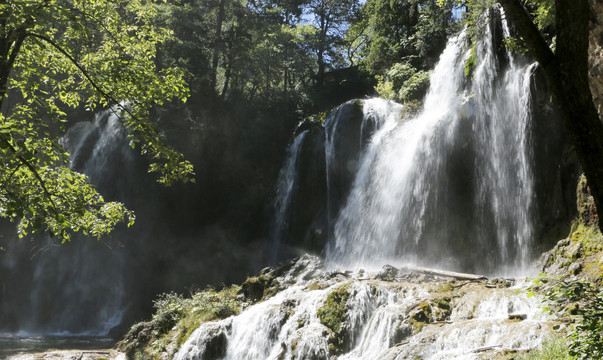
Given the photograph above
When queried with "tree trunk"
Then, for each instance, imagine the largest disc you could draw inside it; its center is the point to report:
(217, 45)
(567, 72)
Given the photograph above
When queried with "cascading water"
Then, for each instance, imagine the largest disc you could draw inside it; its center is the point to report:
(78, 288)
(387, 320)
(453, 186)
(285, 188)
(451, 182)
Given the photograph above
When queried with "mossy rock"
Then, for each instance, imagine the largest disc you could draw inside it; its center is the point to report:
(316, 285)
(260, 287)
(137, 338)
(333, 315)
(428, 312)
(470, 64)
(587, 211)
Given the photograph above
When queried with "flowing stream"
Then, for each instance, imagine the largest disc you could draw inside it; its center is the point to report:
(378, 320)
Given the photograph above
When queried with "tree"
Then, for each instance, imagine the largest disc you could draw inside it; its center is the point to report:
(62, 54)
(409, 31)
(330, 18)
(567, 71)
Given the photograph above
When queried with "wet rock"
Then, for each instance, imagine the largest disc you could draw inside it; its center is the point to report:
(587, 210)
(254, 288)
(208, 342)
(575, 268)
(72, 355)
(388, 273)
(518, 316)
(595, 54)
(574, 251)
(343, 139)
(307, 218)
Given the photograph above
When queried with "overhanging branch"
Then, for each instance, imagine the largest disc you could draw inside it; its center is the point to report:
(532, 37)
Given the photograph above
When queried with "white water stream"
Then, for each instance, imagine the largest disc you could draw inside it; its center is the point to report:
(404, 206)
(285, 188)
(407, 205)
(377, 323)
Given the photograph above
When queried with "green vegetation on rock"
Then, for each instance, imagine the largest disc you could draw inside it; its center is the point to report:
(572, 284)
(553, 348)
(470, 63)
(430, 311)
(579, 303)
(332, 315)
(176, 317)
(258, 288)
(403, 82)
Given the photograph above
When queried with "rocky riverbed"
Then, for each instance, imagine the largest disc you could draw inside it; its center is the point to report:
(72, 355)
(301, 310)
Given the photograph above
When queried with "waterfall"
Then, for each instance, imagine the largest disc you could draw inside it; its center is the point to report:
(451, 186)
(78, 288)
(285, 188)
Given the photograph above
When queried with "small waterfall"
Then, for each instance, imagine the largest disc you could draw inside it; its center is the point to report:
(79, 287)
(449, 183)
(100, 149)
(377, 322)
(285, 189)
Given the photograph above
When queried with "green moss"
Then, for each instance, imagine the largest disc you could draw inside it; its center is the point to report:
(332, 315)
(553, 348)
(317, 285)
(470, 63)
(258, 288)
(176, 317)
(445, 287)
(430, 311)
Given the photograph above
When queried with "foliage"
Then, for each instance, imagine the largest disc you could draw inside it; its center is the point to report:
(553, 348)
(333, 314)
(543, 13)
(583, 302)
(175, 319)
(403, 83)
(415, 87)
(59, 55)
(330, 18)
(473, 15)
(470, 63)
(388, 32)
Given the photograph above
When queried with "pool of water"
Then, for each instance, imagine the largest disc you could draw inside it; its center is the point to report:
(12, 345)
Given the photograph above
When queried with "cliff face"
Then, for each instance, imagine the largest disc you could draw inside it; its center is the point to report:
(596, 54)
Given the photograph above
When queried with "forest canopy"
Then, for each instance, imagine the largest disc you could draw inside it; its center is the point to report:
(58, 57)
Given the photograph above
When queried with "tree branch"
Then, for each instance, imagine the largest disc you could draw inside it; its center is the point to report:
(75, 63)
(12, 57)
(88, 77)
(522, 20)
(35, 173)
